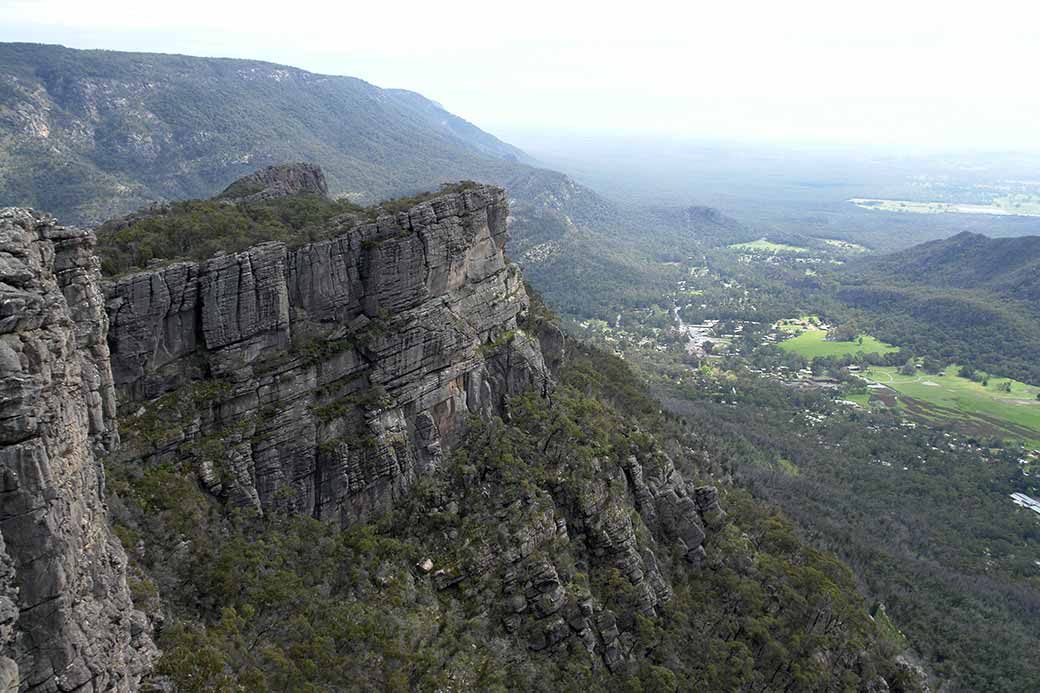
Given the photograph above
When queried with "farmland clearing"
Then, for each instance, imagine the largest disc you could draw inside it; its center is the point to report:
(1004, 408)
(813, 342)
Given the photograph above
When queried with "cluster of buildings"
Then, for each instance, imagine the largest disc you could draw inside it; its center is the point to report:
(1025, 501)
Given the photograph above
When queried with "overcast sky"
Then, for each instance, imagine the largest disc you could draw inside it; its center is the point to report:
(934, 75)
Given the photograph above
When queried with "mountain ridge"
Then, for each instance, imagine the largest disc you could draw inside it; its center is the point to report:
(967, 260)
(132, 128)
(376, 463)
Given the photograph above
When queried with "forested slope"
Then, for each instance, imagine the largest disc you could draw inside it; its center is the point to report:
(91, 134)
(967, 299)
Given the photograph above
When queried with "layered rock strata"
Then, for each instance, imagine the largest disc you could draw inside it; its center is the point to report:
(322, 379)
(588, 516)
(66, 618)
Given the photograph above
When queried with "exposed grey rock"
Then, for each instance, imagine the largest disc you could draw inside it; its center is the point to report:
(599, 517)
(707, 499)
(8, 619)
(664, 500)
(551, 342)
(274, 181)
(325, 379)
(347, 365)
(321, 380)
(592, 514)
(76, 626)
(278, 181)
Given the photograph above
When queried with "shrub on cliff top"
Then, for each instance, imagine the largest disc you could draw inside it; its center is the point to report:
(199, 229)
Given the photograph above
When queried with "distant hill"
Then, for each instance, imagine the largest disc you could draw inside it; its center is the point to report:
(967, 299)
(1007, 266)
(88, 135)
(592, 257)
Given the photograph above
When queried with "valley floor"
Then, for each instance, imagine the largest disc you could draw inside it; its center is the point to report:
(908, 478)
(945, 397)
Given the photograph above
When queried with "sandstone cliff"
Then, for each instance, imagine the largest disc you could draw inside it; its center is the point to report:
(59, 563)
(322, 379)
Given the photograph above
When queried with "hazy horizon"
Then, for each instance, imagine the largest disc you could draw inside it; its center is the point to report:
(926, 78)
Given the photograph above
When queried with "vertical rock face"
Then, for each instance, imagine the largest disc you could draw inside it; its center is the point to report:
(323, 379)
(60, 565)
(8, 619)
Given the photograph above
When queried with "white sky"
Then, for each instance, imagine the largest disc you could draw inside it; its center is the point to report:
(911, 74)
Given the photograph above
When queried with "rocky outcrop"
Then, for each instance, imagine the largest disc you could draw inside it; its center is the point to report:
(323, 379)
(278, 181)
(610, 517)
(319, 380)
(284, 180)
(667, 502)
(76, 628)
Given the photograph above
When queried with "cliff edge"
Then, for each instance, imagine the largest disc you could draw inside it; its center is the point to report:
(65, 572)
(322, 379)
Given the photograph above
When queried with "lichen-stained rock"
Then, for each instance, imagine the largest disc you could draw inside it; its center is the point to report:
(158, 329)
(569, 547)
(708, 500)
(348, 365)
(551, 342)
(76, 626)
(325, 379)
(245, 306)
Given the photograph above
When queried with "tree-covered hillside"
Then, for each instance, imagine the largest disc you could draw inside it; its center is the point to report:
(964, 300)
(550, 549)
(1009, 267)
(433, 595)
(91, 135)
(967, 299)
(87, 135)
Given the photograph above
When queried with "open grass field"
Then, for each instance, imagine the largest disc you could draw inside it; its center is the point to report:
(845, 246)
(813, 343)
(765, 246)
(862, 400)
(1008, 205)
(967, 404)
